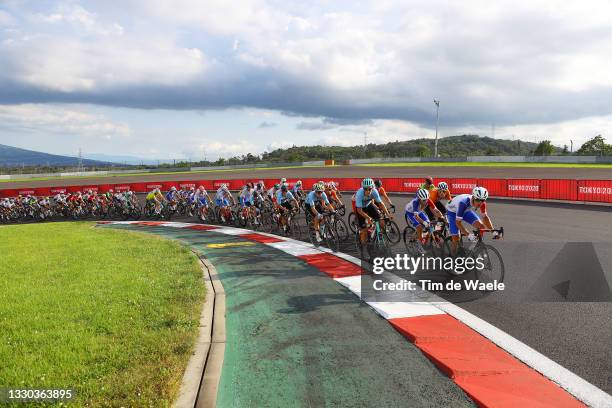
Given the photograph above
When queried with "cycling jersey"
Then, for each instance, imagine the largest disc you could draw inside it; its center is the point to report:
(282, 199)
(311, 198)
(416, 206)
(438, 195)
(170, 195)
(462, 203)
(460, 208)
(362, 201)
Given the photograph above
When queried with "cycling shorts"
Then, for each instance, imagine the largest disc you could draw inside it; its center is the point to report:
(469, 216)
(221, 202)
(372, 211)
(411, 219)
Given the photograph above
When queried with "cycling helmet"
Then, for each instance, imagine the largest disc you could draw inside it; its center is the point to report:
(442, 186)
(283, 180)
(284, 187)
(156, 190)
(480, 193)
(129, 193)
(192, 188)
(319, 187)
(378, 183)
(172, 188)
(298, 183)
(367, 183)
(429, 180)
(277, 186)
(110, 190)
(423, 194)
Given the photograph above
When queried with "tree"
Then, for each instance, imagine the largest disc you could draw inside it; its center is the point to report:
(595, 147)
(544, 148)
(565, 150)
(423, 151)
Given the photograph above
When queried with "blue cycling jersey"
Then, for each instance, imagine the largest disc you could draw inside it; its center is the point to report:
(170, 195)
(280, 199)
(362, 200)
(312, 197)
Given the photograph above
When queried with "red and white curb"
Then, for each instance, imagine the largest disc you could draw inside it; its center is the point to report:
(492, 367)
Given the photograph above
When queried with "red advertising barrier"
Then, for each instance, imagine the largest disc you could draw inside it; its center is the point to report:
(558, 189)
(58, 190)
(496, 187)
(524, 188)
(595, 190)
(121, 188)
(43, 191)
(462, 185)
(571, 190)
(407, 185)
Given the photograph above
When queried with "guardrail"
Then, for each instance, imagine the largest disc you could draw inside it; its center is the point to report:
(547, 189)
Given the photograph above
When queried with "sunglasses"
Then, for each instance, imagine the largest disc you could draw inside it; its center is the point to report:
(367, 188)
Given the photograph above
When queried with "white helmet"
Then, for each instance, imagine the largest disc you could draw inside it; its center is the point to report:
(423, 194)
(319, 187)
(442, 186)
(283, 180)
(172, 188)
(480, 193)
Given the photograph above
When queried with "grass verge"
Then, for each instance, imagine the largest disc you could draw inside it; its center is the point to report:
(111, 314)
(487, 164)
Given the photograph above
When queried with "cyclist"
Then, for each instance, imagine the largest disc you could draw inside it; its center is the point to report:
(272, 192)
(461, 209)
(201, 200)
(296, 190)
(414, 212)
(368, 206)
(223, 197)
(246, 200)
(172, 194)
(381, 191)
(284, 203)
(155, 198)
(316, 203)
(440, 196)
(428, 184)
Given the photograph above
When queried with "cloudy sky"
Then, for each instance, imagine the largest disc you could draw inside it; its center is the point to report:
(193, 79)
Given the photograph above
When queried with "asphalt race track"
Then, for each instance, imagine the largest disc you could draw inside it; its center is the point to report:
(340, 171)
(575, 334)
(573, 329)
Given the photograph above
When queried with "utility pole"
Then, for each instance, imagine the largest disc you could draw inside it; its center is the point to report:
(80, 169)
(571, 146)
(437, 102)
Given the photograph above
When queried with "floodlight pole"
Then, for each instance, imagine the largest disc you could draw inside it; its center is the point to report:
(437, 102)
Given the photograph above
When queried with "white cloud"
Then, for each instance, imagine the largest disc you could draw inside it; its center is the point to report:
(213, 149)
(57, 120)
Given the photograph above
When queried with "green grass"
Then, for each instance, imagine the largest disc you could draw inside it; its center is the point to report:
(152, 174)
(111, 314)
(487, 164)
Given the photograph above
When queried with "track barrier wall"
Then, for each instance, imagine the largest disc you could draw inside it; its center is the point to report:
(546, 189)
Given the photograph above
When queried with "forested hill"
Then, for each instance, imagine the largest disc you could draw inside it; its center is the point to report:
(13, 157)
(452, 146)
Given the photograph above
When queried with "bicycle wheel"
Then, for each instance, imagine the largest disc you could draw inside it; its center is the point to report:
(313, 237)
(352, 222)
(382, 247)
(341, 229)
(494, 269)
(392, 232)
(341, 210)
(331, 238)
(413, 246)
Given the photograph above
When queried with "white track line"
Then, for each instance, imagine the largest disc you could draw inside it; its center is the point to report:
(572, 383)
